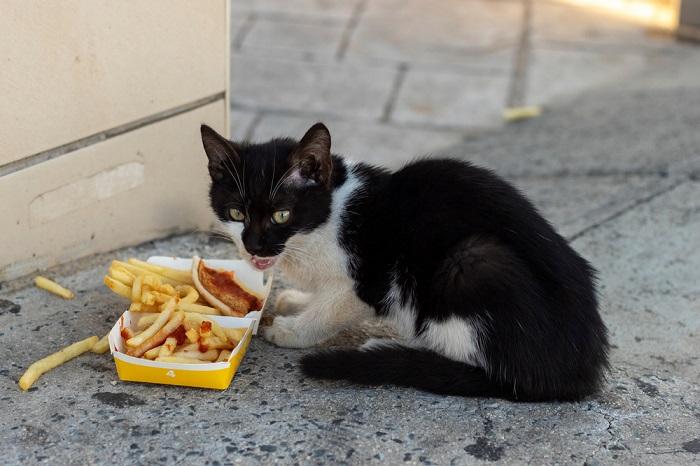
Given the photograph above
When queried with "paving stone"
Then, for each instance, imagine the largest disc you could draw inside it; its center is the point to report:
(574, 203)
(590, 28)
(293, 39)
(452, 99)
(271, 414)
(557, 73)
(648, 260)
(611, 131)
(436, 31)
(340, 89)
(337, 9)
(376, 143)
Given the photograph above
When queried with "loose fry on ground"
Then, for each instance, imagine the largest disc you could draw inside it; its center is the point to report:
(44, 365)
(223, 356)
(101, 346)
(521, 113)
(118, 287)
(184, 276)
(160, 321)
(53, 287)
(181, 360)
(159, 337)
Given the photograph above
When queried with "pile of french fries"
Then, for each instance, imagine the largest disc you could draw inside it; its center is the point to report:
(150, 287)
(180, 337)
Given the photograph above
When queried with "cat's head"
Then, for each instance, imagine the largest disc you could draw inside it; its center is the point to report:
(266, 193)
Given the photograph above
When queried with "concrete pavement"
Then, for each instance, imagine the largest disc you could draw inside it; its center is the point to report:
(614, 162)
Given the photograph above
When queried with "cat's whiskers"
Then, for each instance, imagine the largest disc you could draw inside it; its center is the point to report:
(282, 179)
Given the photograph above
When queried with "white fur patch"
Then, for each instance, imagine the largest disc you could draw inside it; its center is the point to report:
(316, 259)
(317, 264)
(235, 231)
(401, 316)
(455, 338)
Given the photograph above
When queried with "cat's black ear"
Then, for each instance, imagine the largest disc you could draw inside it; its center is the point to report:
(313, 155)
(220, 151)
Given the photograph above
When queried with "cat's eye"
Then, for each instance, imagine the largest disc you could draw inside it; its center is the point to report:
(236, 215)
(280, 216)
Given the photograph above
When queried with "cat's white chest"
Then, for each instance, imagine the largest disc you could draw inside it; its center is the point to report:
(315, 260)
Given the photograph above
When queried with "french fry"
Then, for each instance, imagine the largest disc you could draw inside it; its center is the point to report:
(122, 275)
(149, 298)
(136, 289)
(193, 320)
(46, 364)
(159, 323)
(181, 360)
(184, 276)
(118, 287)
(521, 113)
(235, 334)
(209, 355)
(215, 343)
(146, 320)
(53, 287)
(198, 309)
(205, 329)
(159, 337)
(190, 347)
(192, 335)
(168, 347)
(223, 356)
(102, 346)
(141, 271)
(126, 333)
(152, 353)
(190, 294)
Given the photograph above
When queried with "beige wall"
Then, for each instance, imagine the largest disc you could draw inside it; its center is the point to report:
(101, 107)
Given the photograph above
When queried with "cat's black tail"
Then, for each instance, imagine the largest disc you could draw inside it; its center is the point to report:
(404, 366)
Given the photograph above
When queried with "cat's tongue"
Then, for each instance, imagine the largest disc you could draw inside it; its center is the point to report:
(262, 263)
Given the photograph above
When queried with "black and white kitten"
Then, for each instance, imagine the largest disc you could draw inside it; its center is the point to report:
(488, 298)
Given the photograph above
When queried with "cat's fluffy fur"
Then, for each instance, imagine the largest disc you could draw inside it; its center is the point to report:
(488, 298)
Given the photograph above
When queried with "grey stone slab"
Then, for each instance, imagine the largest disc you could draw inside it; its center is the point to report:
(451, 99)
(435, 32)
(589, 27)
(611, 131)
(574, 203)
(648, 261)
(556, 73)
(320, 9)
(340, 89)
(271, 414)
(287, 39)
(375, 143)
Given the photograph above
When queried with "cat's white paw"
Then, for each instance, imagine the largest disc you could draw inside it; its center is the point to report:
(291, 302)
(283, 333)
